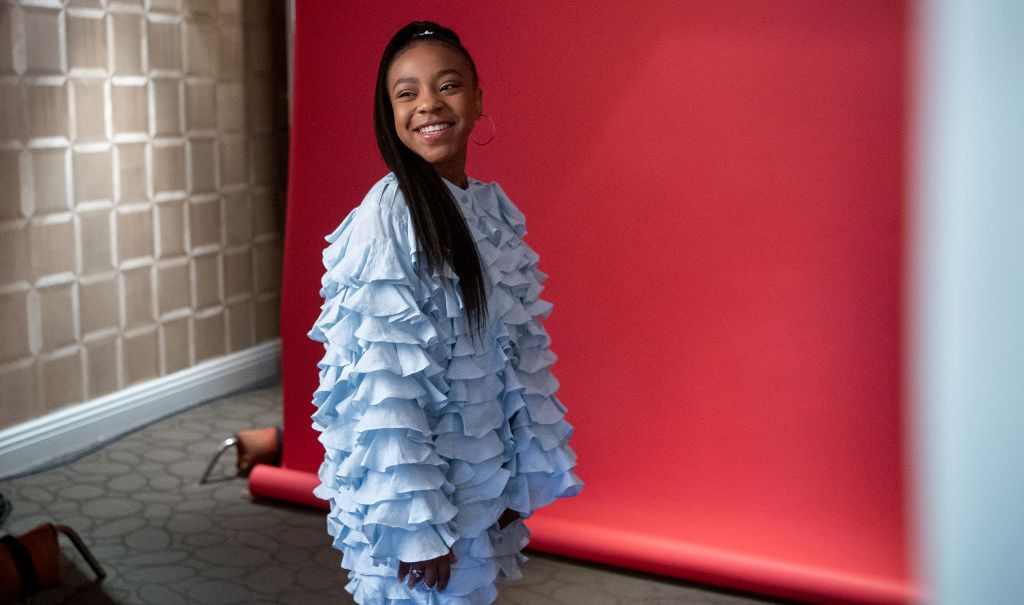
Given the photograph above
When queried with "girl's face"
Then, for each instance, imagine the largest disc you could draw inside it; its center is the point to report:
(436, 103)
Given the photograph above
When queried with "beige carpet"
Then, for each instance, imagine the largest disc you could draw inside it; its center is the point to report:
(164, 539)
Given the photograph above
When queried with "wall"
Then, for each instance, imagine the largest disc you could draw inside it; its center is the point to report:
(967, 330)
(141, 191)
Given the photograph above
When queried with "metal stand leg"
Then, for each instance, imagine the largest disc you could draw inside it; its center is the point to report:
(230, 442)
(83, 550)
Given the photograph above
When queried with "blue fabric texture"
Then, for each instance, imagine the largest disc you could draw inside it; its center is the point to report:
(428, 436)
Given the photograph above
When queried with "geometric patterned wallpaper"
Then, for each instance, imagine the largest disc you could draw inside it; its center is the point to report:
(143, 151)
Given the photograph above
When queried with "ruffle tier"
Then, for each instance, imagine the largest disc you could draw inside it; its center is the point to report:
(428, 437)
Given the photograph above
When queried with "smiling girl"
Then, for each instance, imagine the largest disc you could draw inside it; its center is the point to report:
(436, 404)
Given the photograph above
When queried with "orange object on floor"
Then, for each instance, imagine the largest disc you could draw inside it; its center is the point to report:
(32, 562)
(258, 446)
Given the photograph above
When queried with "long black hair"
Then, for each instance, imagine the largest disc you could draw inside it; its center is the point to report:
(440, 227)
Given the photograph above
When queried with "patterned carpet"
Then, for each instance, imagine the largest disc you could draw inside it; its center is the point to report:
(164, 539)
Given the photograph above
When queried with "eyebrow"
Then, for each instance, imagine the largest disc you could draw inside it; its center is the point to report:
(411, 80)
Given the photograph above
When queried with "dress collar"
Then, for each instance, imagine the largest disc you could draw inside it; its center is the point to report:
(457, 190)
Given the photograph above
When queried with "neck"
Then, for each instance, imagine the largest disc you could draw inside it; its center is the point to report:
(454, 173)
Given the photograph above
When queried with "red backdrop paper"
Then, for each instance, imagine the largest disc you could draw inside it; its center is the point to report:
(716, 191)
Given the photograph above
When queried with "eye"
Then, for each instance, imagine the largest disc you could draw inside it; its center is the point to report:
(449, 86)
(404, 94)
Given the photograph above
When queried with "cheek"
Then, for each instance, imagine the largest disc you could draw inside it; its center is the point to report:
(400, 118)
(401, 128)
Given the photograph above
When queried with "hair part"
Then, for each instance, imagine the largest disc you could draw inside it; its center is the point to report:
(438, 222)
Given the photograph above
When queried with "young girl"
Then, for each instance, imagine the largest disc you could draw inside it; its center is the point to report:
(436, 403)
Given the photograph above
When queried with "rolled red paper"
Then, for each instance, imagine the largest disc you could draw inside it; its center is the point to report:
(279, 483)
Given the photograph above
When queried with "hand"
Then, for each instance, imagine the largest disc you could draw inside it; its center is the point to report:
(435, 572)
(507, 517)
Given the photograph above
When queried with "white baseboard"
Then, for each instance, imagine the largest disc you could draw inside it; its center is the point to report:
(70, 432)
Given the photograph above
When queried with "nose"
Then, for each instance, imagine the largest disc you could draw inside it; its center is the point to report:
(429, 101)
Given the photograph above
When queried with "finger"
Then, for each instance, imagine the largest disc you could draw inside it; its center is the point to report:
(403, 568)
(444, 573)
(430, 574)
(414, 578)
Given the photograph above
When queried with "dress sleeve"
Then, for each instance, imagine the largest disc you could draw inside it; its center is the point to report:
(387, 484)
(543, 458)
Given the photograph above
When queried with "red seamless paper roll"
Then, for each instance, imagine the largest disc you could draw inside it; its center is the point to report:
(717, 193)
(279, 483)
(587, 539)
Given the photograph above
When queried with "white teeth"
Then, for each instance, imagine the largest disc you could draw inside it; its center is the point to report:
(433, 128)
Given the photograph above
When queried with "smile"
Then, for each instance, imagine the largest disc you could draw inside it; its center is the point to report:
(432, 128)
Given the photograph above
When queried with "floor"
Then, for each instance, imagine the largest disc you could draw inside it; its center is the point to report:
(165, 539)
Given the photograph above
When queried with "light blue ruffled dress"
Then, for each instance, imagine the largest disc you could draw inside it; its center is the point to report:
(429, 437)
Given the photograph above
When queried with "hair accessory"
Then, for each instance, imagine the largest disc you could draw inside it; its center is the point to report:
(493, 131)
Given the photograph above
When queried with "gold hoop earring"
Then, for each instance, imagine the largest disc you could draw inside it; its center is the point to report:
(493, 131)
